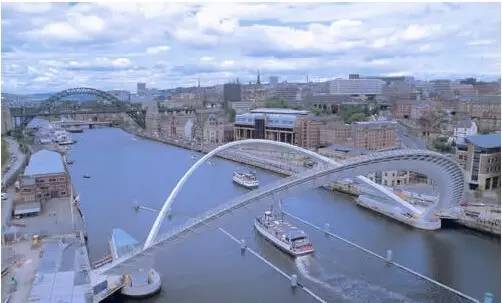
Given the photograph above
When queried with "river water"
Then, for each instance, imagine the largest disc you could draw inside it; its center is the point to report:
(207, 265)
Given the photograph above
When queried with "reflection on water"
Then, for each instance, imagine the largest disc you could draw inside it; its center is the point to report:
(127, 171)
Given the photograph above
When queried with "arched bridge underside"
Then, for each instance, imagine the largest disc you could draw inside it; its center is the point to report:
(83, 91)
(446, 174)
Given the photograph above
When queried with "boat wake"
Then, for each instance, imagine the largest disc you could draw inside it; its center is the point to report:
(348, 288)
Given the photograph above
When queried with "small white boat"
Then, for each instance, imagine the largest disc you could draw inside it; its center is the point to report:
(248, 180)
(282, 234)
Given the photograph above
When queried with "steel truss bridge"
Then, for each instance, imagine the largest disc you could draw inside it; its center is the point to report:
(443, 171)
(59, 105)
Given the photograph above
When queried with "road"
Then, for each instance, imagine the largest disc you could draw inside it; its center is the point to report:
(16, 160)
(408, 141)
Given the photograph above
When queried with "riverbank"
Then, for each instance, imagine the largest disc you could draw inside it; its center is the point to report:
(127, 170)
(261, 160)
(278, 165)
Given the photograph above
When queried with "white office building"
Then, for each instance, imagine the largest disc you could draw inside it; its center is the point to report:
(356, 86)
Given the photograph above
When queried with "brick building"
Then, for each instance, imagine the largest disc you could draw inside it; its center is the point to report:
(44, 178)
(307, 132)
(370, 135)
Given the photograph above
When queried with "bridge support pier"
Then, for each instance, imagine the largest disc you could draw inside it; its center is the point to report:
(142, 284)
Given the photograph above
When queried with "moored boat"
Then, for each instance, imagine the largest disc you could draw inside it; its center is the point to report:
(75, 129)
(248, 180)
(282, 234)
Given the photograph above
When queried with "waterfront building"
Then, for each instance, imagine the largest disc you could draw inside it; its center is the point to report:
(374, 135)
(273, 80)
(176, 124)
(152, 118)
(370, 135)
(334, 131)
(356, 86)
(480, 157)
(276, 124)
(214, 130)
(307, 132)
(44, 178)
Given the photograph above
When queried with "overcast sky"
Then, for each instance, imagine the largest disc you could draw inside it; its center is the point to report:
(49, 47)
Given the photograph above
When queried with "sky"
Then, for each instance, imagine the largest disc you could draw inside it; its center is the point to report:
(49, 47)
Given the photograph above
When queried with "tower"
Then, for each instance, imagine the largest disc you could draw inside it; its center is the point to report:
(258, 78)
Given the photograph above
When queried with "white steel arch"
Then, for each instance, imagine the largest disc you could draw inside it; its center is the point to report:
(169, 201)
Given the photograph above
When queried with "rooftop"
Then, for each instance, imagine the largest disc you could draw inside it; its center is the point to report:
(38, 123)
(485, 141)
(63, 273)
(45, 162)
(286, 111)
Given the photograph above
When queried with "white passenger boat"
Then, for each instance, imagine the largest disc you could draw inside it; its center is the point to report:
(282, 234)
(248, 180)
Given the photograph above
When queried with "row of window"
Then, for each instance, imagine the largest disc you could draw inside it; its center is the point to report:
(60, 179)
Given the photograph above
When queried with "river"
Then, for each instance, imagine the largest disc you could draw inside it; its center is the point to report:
(207, 266)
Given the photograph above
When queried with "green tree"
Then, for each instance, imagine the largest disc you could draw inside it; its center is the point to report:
(357, 117)
(231, 115)
(276, 103)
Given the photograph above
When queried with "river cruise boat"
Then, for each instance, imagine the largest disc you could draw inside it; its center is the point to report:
(282, 234)
(75, 129)
(67, 141)
(248, 180)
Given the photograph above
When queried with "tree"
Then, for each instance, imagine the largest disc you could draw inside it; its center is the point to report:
(276, 103)
(356, 117)
(231, 115)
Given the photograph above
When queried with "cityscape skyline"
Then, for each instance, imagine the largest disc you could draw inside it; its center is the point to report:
(48, 47)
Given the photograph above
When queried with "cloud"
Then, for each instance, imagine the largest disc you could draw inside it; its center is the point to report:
(78, 28)
(157, 49)
(29, 8)
(480, 42)
(99, 64)
(106, 45)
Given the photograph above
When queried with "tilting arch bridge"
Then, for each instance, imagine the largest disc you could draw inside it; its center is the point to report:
(446, 173)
